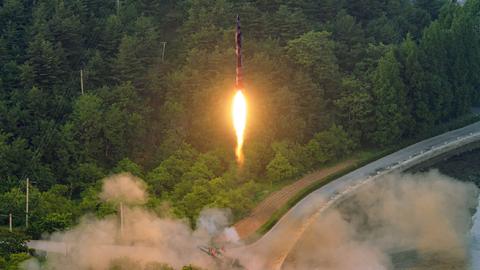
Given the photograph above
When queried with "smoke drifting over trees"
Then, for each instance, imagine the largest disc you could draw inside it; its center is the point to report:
(124, 188)
(427, 213)
(98, 243)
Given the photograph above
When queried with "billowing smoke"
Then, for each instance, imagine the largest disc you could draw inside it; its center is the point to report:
(397, 220)
(145, 238)
(124, 188)
(424, 216)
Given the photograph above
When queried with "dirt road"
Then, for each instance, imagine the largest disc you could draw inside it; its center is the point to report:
(248, 226)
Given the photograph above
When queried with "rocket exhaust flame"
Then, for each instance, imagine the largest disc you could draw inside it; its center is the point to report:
(239, 113)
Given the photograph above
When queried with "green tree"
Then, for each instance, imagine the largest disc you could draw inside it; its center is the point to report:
(160, 180)
(315, 52)
(85, 125)
(91, 202)
(51, 211)
(14, 260)
(52, 223)
(431, 6)
(3, 263)
(355, 108)
(12, 243)
(358, 10)
(434, 59)
(66, 28)
(128, 65)
(280, 169)
(126, 165)
(15, 160)
(82, 176)
(259, 154)
(328, 145)
(326, 9)
(193, 202)
(383, 30)
(417, 93)
(42, 68)
(239, 199)
(390, 100)
(286, 23)
(349, 40)
(111, 36)
(13, 202)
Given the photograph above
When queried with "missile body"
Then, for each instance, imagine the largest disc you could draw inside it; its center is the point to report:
(238, 41)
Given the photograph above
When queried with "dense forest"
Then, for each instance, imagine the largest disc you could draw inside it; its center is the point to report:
(90, 88)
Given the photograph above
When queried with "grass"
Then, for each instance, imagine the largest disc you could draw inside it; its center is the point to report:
(364, 158)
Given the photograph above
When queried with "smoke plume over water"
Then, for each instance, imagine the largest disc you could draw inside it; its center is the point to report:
(428, 213)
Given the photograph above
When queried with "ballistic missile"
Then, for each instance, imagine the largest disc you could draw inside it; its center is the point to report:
(239, 108)
(238, 41)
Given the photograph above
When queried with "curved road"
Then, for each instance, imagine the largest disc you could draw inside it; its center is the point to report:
(272, 249)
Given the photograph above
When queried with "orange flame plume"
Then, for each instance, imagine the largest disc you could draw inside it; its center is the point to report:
(239, 113)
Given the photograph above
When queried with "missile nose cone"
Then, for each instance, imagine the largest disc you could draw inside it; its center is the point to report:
(238, 23)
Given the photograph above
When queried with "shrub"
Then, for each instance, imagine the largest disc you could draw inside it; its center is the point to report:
(329, 145)
(280, 169)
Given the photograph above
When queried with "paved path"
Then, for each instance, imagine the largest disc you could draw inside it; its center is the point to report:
(277, 243)
(247, 227)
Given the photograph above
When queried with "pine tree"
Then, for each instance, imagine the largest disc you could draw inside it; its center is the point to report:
(43, 63)
(418, 96)
(431, 6)
(389, 93)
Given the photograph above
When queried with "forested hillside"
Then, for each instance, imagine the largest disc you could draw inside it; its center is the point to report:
(323, 78)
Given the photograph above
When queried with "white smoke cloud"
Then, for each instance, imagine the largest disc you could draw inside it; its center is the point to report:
(124, 188)
(428, 213)
(95, 243)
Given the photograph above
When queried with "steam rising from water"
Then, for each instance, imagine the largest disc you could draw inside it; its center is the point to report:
(427, 212)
